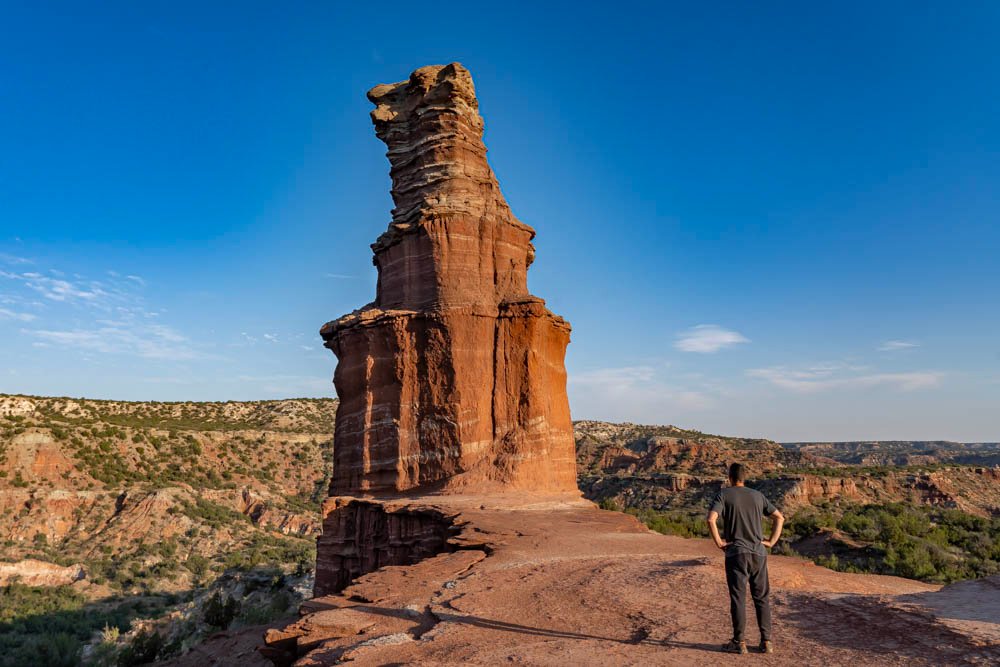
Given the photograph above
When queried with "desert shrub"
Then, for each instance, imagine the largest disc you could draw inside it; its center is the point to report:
(167, 549)
(937, 545)
(859, 525)
(110, 634)
(48, 626)
(104, 654)
(197, 564)
(265, 549)
(212, 513)
(144, 648)
(684, 524)
(19, 481)
(274, 608)
(610, 504)
(52, 649)
(809, 522)
(219, 613)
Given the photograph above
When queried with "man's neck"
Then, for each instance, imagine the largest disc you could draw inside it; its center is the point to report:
(738, 483)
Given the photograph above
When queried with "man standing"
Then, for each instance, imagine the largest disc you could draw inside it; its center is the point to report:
(741, 510)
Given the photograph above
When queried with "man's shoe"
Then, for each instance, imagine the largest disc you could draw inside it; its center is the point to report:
(735, 647)
(766, 646)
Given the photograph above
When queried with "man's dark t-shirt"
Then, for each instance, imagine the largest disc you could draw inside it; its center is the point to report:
(741, 510)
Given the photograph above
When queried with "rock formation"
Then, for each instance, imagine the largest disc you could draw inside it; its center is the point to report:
(452, 381)
(453, 378)
(33, 572)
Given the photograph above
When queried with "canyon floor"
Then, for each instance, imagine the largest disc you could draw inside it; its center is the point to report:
(563, 583)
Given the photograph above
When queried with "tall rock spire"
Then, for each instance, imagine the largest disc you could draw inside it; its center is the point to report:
(453, 379)
(453, 239)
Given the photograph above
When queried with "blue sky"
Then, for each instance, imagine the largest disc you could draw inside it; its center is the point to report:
(778, 221)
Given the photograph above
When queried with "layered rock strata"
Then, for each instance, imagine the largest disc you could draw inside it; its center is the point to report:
(452, 381)
(360, 537)
(453, 378)
(32, 572)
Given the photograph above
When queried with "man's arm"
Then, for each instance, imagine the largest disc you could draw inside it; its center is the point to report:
(714, 530)
(779, 521)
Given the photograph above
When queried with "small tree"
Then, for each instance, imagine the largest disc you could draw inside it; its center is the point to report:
(218, 613)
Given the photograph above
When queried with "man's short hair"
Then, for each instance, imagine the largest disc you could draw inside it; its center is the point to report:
(737, 473)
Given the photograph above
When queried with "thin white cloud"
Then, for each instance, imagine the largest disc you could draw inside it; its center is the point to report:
(14, 259)
(632, 392)
(119, 320)
(57, 289)
(825, 377)
(271, 337)
(708, 338)
(149, 341)
(286, 386)
(6, 314)
(894, 345)
(340, 276)
(137, 279)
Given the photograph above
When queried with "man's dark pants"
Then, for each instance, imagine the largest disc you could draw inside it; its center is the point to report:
(741, 569)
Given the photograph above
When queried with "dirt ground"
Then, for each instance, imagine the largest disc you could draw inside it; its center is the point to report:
(567, 584)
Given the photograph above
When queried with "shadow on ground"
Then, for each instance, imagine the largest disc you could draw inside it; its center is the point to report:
(868, 623)
(640, 636)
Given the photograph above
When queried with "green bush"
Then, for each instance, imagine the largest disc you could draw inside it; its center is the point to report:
(142, 650)
(265, 549)
(19, 481)
(48, 626)
(53, 649)
(937, 545)
(218, 613)
(197, 564)
(610, 504)
(684, 524)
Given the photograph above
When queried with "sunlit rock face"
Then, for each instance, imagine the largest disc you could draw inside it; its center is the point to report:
(453, 379)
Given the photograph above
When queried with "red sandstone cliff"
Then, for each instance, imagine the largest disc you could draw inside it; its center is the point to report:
(453, 378)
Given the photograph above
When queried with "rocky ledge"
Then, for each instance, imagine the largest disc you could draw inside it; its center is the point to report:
(556, 582)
